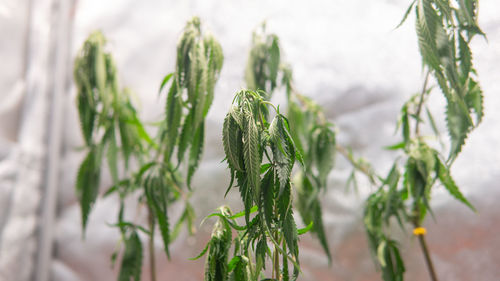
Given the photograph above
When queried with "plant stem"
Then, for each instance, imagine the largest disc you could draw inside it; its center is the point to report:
(152, 260)
(416, 222)
(362, 168)
(421, 102)
(427, 256)
(276, 263)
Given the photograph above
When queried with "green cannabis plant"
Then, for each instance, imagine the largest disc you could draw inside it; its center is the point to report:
(445, 30)
(260, 157)
(112, 130)
(312, 134)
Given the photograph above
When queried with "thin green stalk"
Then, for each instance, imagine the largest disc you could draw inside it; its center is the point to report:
(421, 102)
(416, 222)
(427, 256)
(276, 262)
(364, 169)
(152, 259)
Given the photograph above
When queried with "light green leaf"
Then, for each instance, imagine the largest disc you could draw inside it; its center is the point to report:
(448, 182)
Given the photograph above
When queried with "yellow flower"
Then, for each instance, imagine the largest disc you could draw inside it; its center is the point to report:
(419, 231)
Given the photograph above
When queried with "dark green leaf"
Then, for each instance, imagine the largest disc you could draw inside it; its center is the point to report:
(132, 259)
(173, 119)
(195, 152)
(87, 182)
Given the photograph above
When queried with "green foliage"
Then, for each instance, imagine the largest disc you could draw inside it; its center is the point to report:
(442, 29)
(199, 61)
(105, 114)
(216, 267)
(253, 147)
(311, 139)
(112, 129)
(132, 258)
(263, 62)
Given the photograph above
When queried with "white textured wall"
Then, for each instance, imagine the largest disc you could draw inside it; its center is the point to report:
(348, 57)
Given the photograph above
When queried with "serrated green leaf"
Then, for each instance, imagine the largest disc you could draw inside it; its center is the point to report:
(195, 152)
(426, 22)
(260, 255)
(474, 100)
(173, 119)
(406, 14)
(157, 196)
(267, 197)
(232, 263)
(87, 182)
(448, 182)
(318, 228)
(458, 127)
(185, 137)
(216, 268)
(132, 259)
(465, 56)
(112, 155)
(274, 59)
(290, 233)
(252, 152)
(232, 141)
(324, 154)
(241, 272)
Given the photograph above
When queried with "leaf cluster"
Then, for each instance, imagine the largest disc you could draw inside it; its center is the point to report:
(444, 32)
(263, 62)
(260, 156)
(108, 119)
(312, 134)
(112, 130)
(199, 61)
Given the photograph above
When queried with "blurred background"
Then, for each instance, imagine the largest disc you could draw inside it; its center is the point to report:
(346, 55)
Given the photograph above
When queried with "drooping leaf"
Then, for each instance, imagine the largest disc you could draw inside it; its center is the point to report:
(112, 155)
(233, 145)
(450, 185)
(173, 119)
(406, 14)
(185, 137)
(156, 193)
(474, 100)
(458, 127)
(87, 182)
(465, 56)
(426, 25)
(195, 152)
(267, 197)
(132, 259)
(216, 267)
(165, 81)
(252, 152)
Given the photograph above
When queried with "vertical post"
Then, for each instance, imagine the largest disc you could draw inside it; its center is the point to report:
(58, 61)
